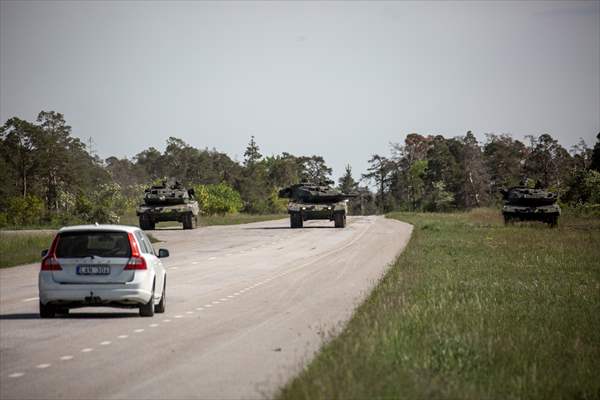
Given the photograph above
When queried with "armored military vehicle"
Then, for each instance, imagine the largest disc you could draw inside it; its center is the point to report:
(523, 203)
(316, 201)
(169, 201)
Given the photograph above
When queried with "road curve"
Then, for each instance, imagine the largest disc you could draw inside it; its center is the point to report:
(248, 306)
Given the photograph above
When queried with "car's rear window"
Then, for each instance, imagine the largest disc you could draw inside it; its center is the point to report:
(93, 243)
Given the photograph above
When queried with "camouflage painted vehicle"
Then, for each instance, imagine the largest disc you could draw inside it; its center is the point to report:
(310, 201)
(526, 204)
(169, 201)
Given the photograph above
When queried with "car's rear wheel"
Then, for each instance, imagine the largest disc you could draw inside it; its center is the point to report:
(160, 307)
(147, 310)
(62, 311)
(47, 310)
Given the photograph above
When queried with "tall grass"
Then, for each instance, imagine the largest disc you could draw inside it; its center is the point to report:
(473, 309)
(22, 248)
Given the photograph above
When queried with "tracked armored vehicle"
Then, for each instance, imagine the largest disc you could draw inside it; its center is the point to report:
(169, 201)
(526, 204)
(310, 201)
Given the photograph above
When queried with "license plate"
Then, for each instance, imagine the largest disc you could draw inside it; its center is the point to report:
(93, 269)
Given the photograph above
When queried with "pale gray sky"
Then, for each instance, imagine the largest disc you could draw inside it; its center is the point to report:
(339, 79)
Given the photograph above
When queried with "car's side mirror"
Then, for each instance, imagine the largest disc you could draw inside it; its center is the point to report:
(163, 253)
(44, 253)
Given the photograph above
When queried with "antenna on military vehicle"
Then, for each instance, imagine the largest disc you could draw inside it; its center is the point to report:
(97, 224)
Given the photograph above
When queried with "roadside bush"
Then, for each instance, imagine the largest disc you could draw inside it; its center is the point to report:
(218, 199)
(277, 205)
(102, 206)
(28, 210)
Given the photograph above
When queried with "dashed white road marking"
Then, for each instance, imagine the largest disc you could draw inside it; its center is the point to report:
(189, 312)
(66, 358)
(230, 296)
(216, 302)
(207, 305)
(31, 299)
(173, 268)
(199, 308)
(179, 316)
(236, 294)
(223, 299)
(123, 336)
(166, 320)
(87, 350)
(16, 375)
(212, 258)
(196, 262)
(42, 366)
(153, 325)
(139, 330)
(105, 343)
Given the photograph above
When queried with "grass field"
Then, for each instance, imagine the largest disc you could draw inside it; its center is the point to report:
(22, 248)
(473, 310)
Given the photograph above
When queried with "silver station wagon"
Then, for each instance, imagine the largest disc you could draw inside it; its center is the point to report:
(102, 265)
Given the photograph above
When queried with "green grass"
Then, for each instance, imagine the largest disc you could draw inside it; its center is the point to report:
(22, 248)
(473, 310)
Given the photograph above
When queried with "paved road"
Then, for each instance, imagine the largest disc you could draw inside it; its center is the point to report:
(248, 306)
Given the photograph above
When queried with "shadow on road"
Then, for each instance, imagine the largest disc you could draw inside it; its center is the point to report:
(287, 227)
(24, 316)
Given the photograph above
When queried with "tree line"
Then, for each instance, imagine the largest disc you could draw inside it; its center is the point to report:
(50, 176)
(434, 173)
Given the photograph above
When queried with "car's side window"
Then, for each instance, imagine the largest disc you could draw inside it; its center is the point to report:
(149, 244)
(143, 244)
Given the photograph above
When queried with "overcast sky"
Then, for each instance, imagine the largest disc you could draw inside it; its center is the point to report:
(338, 79)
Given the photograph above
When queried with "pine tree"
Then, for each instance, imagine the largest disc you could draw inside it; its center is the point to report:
(252, 154)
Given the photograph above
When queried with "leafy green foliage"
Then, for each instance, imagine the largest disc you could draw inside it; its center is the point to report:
(28, 210)
(218, 199)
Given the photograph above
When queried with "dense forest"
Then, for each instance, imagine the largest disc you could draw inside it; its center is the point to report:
(50, 177)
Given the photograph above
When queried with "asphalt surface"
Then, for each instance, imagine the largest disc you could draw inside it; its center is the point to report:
(248, 306)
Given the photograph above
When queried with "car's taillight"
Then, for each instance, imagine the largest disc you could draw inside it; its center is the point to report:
(136, 262)
(50, 262)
